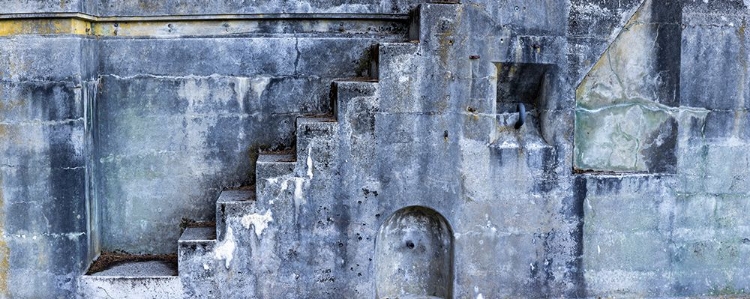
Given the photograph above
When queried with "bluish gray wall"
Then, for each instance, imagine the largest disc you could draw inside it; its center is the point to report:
(43, 171)
(109, 142)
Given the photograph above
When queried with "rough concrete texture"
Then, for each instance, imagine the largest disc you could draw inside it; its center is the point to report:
(133, 280)
(139, 269)
(202, 7)
(334, 224)
(44, 244)
(625, 114)
(377, 149)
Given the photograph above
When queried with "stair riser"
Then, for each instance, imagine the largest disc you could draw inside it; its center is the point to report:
(136, 287)
(197, 262)
(316, 148)
(265, 170)
(355, 98)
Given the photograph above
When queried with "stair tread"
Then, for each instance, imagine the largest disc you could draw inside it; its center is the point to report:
(277, 158)
(193, 234)
(315, 119)
(229, 196)
(356, 80)
(139, 269)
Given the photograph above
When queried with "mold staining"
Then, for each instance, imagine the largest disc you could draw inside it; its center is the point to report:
(414, 255)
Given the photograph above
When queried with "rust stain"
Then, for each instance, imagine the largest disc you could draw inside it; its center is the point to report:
(43, 26)
(4, 250)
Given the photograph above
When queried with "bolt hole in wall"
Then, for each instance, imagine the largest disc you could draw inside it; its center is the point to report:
(414, 255)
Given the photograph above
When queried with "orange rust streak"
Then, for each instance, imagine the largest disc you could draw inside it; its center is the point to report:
(4, 250)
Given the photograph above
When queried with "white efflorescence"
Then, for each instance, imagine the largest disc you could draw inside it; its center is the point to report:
(309, 163)
(258, 221)
(225, 250)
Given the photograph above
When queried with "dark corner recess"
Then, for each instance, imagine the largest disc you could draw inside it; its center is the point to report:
(107, 260)
(522, 83)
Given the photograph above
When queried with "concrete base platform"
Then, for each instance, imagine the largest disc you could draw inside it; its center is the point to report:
(148, 279)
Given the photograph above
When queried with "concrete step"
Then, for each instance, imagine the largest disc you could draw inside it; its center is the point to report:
(390, 59)
(316, 145)
(271, 165)
(144, 279)
(195, 243)
(324, 125)
(196, 238)
(232, 202)
(354, 96)
(196, 262)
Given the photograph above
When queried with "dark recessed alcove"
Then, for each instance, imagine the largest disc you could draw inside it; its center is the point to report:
(524, 83)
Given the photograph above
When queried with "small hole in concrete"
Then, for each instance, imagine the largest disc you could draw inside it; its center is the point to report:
(410, 244)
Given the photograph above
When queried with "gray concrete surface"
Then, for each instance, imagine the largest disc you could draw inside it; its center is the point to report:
(139, 269)
(628, 179)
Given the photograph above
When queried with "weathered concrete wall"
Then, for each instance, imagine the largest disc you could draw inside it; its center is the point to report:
(627, 179)
(41, 6)
(191, 124)
(45, 241)
(426, 134)
(676, 234)
(140, 7)
(204, 7)
(626, 119)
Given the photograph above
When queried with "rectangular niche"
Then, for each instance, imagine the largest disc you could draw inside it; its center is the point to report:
(525, 83)
(532, 85)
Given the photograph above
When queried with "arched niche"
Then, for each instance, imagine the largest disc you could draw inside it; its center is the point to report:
(414, 255)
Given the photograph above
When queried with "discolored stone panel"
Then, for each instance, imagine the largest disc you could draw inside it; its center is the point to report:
(625, 114)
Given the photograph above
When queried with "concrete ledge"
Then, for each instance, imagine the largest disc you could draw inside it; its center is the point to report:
(152, 279)
(204, 25)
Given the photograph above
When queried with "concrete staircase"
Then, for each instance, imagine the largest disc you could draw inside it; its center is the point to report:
(271, 241)
(283, 182)
(282, 237)
(241, 234)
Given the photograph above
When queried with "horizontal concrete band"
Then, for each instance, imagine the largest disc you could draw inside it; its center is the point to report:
(203, 25)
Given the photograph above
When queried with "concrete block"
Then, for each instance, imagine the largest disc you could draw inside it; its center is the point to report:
(232, 203)
(316, 146)
(719, 124)
(130, 7)
(529, 17)
(699, 85)
(626, 251)
(40, 101)
(36, 57)
(158, 288)
(356, 103)
(599, 19)
(695, 217)
(196, 262)
(271, 165)
(41, 6)
(619, 283)
(727, 168)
